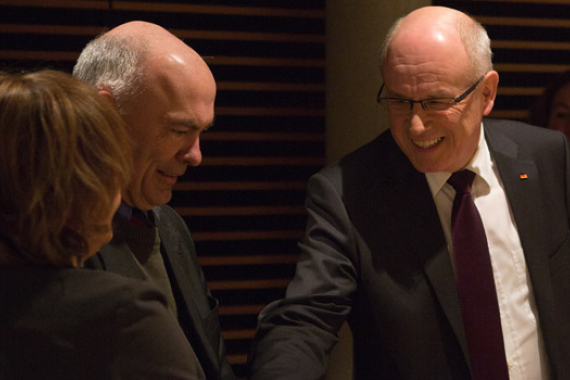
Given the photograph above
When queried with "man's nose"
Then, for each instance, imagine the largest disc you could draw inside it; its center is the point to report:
(417, 124)
(193, 154)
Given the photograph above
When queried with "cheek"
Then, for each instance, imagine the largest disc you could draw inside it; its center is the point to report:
(397, 126)
(164, 148)
(398, 131)
(147, 159)
(467, 125)
(465, 142)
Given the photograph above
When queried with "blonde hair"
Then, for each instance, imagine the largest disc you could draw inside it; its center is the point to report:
(64, 154)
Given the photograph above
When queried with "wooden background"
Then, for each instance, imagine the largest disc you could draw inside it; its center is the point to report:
(244, 204)
(531, 43)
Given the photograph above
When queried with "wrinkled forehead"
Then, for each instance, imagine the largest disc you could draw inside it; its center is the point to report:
(422, 55)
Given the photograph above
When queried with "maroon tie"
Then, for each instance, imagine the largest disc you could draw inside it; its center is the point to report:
(478, 297)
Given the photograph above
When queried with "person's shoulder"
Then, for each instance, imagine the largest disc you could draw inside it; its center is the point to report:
(380, 145)
(520, 131)
(90, 276)
(97, 284)
(379, 157)
(171, 225)
(75, 290)
(525, 141)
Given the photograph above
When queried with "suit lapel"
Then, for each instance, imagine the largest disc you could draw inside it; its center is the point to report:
(428, 245)
(117, 256)
(188, 283)
(431, 250)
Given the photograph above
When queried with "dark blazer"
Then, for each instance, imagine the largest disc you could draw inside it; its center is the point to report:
(375, 254)
(197, 309)
(69, 324)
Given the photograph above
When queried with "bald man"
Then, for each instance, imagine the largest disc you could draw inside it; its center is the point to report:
(378, 250)
(165, 93)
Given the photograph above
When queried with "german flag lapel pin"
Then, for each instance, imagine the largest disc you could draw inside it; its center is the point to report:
(523, 176)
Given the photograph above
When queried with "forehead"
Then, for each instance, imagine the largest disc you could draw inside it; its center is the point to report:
(423, 59)
(182, 90)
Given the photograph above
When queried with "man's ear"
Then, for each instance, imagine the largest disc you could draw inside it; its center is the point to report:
(490, 84)
(109, 96)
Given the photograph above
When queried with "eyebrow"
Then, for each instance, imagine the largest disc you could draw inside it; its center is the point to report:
(186, 123)
(435, 95)
(432, 96)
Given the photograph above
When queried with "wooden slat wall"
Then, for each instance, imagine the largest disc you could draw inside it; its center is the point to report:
(244, 204)
(531, 43)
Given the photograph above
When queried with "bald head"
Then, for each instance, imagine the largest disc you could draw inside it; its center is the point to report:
(433, 16)
(132, 56)
(434, 27)
(165, 93)
(151, 41)
(140, 29)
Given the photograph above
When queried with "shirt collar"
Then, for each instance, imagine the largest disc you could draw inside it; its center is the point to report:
(480, 164)
(125, 211)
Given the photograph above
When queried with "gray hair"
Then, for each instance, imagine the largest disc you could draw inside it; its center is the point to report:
(115, 64)
(475, 40)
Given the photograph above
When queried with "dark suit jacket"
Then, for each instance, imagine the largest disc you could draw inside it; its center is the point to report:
(70, 324)
(375, 254)
(197, 309)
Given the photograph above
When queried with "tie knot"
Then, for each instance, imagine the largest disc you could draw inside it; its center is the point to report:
(461, 181)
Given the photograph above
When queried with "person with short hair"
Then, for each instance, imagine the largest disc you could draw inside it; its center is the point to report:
(165, 93)
(64, 156)
(444, 242)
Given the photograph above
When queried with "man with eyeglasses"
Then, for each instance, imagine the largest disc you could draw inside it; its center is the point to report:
(444, 243)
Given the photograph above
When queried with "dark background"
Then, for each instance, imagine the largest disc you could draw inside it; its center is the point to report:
(244, 204)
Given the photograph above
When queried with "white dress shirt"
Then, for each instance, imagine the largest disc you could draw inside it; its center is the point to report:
(524, 346)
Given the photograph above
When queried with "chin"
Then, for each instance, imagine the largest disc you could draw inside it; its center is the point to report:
(422, 167)
(157, 201)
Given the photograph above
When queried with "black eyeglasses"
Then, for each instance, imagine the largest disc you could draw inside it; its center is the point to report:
(440, 105)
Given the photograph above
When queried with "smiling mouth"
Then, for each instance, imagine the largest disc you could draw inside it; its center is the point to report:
(427, 143)
(169, 178)
(168, 175)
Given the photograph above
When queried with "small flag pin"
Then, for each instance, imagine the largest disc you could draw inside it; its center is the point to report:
(523, 176)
